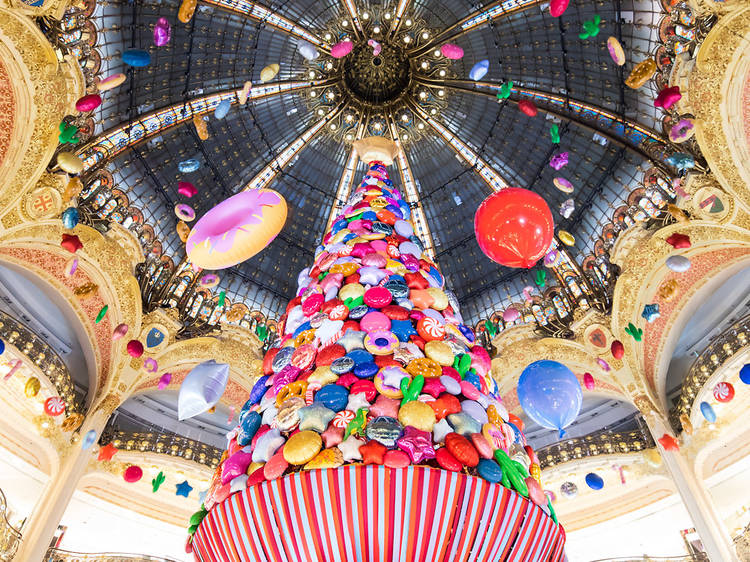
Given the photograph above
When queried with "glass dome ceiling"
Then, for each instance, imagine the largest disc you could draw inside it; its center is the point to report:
(294, 135)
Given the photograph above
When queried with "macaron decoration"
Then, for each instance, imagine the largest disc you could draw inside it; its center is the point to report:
(373, 366)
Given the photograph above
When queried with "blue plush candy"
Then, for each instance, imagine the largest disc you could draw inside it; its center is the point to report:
(365, 370)
(136, 57)
(301, 328)
(474, 380)
(70, 218)
(369, 216)
(395, 210)
(708, 412)
(360, 356)
(349, 237)
(222, 109)
(249, 426)
(405, 209)
(490, 470)
(479, 70)
(342, 365)
(594, 481)
(190, 165)
(744, 373)
(256, 394)
(333, 396)
(466, 332)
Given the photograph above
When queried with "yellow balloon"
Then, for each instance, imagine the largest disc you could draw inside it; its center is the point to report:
(327, 458)
(32, 387)
(269, 72)
(69, 162)
(641, 74)
(186, 11)
(566, 237)
(183, 231)
(302, 447)
(417, 414)
(440, 301)
(110, 82)
(440, 352)
(72, 422)
(201, 127)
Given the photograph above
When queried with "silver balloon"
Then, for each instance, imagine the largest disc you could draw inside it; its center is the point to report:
(308, 51)
(569, 490)
(202, 388)
(567, 208)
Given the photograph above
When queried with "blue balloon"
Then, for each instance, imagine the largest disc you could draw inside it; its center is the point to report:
(190, 165)
(222, 109)
(708, 412)
(2, 347)
(479, 70)
(745, 373)
(88, 439)
(70, 218)
(594, 481)
(550, 394)
(136, 57)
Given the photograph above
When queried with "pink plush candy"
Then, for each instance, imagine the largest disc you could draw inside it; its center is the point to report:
(186, 188)
(164, 381)
(511, 314)
(558, 7)
(588, 381)
(668, 97)
(162, 32)
(451, 51)
(88, 103)
(135, 348)
(235, 466)
(341, 49)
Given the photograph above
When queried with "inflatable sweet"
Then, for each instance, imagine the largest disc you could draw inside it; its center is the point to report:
(616, 51)
(550, 394)
(110, 82)
(479, 70)
(668, 97)
(202, 388)
(69, 163)
(236, 229)
(307, 50)
(162, 32)
(527, 107)
(558, 7)
(451, 51)
(137, 58)
(186, 188)
(269, 72)
(186, 10)
(88, 103)
(641, 73)
(222, 109)
(188, 166)
(342, 48)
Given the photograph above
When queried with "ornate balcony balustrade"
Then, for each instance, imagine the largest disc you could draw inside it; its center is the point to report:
(718, 352)
(57, 555)
(10, 537)
(605, 442)
(41, 354)
(164, 444)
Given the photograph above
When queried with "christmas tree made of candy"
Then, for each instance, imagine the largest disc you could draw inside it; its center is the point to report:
(376, 431)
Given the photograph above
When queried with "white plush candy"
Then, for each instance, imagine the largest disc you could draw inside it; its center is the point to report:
(680, 264)
(308, 51)
(202, 388)
(479, 70)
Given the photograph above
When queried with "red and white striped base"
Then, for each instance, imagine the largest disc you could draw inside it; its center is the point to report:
(374, 513)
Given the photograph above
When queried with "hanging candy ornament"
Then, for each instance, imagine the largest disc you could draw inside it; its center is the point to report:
(744, 373)
(119, 331)
(222, 109)
(342, 48)
(54, 406)
(724, 392)
(269, 72)
(567, 208)
(558, 7)
(135, 348)
(162, 32)
(186, 188)
(566, 238)
(594, 481)
(202, 388)
(554, 134)
(186, 10)
(511, 314)
(641, 74)
(245, 92)
(376, 47)
(616, 51)
(559, 161)
(568, 490)
(71, 266)
(591, 28)
(669, 443)
(687, 425)
(110, 82)
(451, 51)
(588, 381)
(527, 107)
(88, 440)
(505, 90)
(137, 58)
(708, 412)
(550, 394)
(479, 70)
(164, 381)
(69, 163)
(201, 127)
(88, 103)
(677, 263)
(72, 422)
(71, 243)
(514, 227)
(563, 184)
(102, 314)
(668, 97)
(617, 349)
(70, 218)
(132, 474)
(682, 131)
(188, 166)
(307, 50)
(32, 387)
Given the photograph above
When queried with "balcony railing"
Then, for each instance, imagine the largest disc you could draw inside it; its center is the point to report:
(10, 537)
(41, 354)
(718, 352)
(57, 555)
(604, 442)
(164, 444)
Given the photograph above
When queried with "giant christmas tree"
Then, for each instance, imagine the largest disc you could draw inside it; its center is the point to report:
(376, 431)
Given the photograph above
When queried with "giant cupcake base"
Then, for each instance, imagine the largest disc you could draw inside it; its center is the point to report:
(377, 513)
(376, 431)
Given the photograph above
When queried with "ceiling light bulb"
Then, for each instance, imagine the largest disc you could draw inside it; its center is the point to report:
(376, 29)
(333, 126)
(437, 52)
(328, 36)
(407, 39)
(433, 111)
(311, 74)
(349, 118)
(387, 16)
(408, 22)
(425, 65)
(425, 35)
(404, 117)
(442, 73)
(378, 126)
(441, 92)
(365, 16)
(321, 112)
(420, 126)
(404, 137)
(348, 137)
(329, 66)
(344, 23)
(423, 95)
(313, 94)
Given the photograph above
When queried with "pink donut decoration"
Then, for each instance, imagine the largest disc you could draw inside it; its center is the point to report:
(682, 130)
(452, 51)
(209, 280)
(184, 212)
(88, 103)
(381, 342)
(341, 49)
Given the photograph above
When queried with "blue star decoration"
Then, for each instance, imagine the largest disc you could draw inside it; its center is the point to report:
(403, 329)
(183, 489)
(650, 312)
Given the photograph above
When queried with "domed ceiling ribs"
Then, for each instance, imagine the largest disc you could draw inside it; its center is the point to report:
(275, 166)
(498, 9)
(347, 176)
(115, 141)
(398, 16)
(494, 180)
(619, 130)
(352, 9)
(266, 15)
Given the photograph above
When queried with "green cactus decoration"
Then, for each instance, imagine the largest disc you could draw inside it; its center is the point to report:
(635, 333)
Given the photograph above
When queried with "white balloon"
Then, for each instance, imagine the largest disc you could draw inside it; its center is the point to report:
(677, 263)
(307, 50)
(202, 388)
(479, 70)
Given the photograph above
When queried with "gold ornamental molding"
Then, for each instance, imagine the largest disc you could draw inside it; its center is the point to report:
(717, 251)
(36, 92)
(106, 262)
(719, 97)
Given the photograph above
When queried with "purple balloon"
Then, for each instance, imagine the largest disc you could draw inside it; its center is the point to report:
(162, 32)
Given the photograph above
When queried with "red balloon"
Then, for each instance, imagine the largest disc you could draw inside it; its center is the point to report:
(133, 474)
(528, 108)
(617, 349)
(514, 227)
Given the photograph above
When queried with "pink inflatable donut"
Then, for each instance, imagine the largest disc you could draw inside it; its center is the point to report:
(184, 212)
(381, 342)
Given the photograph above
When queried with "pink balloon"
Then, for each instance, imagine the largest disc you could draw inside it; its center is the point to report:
(588, 381)
(133, 474)
(451, 51)
(558, 7)
(88, 103)
(341, 49)
(186, 188)
(511, 314)
(162, 32)
(135, 348)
